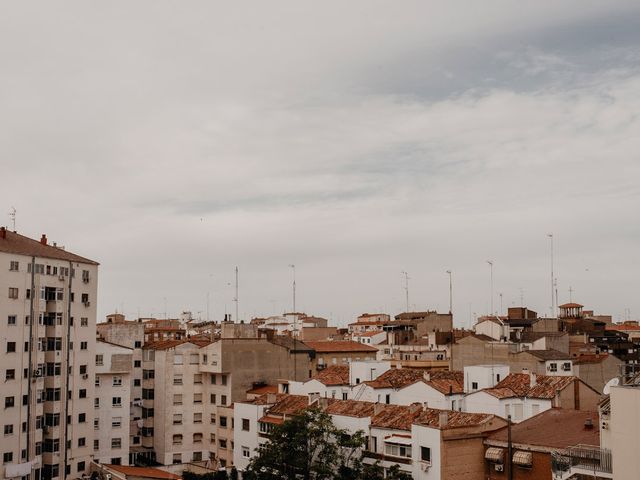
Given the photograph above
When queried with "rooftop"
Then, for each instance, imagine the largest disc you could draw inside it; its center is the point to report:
(549, 354)
(145, 472)
(328, 346)
(289, 405)
(444, 382)
(519, 385)
(12, 242)
(351, 408)
(431, 417)
(334, 375)
(167, 344)
(397, 417)
(542, 429)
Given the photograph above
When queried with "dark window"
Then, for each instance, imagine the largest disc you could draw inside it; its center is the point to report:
(11, 347)
(7, 457)
(82, 393)
(425, 454)
(245, 424)
(9, 402)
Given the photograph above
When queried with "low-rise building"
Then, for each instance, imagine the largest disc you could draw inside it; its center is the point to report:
(340, 352)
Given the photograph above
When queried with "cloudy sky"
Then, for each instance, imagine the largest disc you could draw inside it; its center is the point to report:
(172, 141)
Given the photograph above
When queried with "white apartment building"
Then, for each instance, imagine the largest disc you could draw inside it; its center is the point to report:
(112, 403)
(48, 316)
(130, 334)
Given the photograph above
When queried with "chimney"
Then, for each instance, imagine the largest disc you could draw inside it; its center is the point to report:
(443, 419)
(43, 239)
(533, 379)
(427, 376)
(3, 232)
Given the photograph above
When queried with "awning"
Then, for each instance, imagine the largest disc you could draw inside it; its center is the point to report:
(494, 454)
(524, 459)
(398, 440)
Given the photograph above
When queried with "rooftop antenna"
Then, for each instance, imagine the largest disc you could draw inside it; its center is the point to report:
(12, 216)
(490, 262)
(570, 294)
(521, 296)
(236, 298)
(293, 268)
(553, 306)
(450, 293)
(406, 288)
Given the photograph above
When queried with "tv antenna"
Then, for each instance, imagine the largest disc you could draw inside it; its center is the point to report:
(236, 298)
(406, 287)
(12, 216)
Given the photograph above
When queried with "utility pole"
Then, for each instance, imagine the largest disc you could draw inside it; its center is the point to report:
(500, 313)
(509, 449)
(406, 288)
(293, 268)
(553, 307)
(490, 262)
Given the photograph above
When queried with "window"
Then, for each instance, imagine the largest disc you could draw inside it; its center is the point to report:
(213, 398)
(177, 419)
(223, 400)
(13, 292)
(245, 424)
(137, 344)
(213, 379)
(397, 450)
(99, 360)
(137, 364)
(223, 379)
(9, 402)
(116, 461)
(7, 457)
(96, 423)
(213, 419)
(197, 456)
(82, 417)
(11, 347)
(84, 321)
(387, 398)
(117, 381)
(96, 444)
(194, 359)
(14, 266)
(116, 422)
(82, 393)
(246, 453)
(222, 443)
(197, 398)
(474, 385)
(177, 379)
(197, 438)
(425, 454)
(8, 429)
(137, 382)
(11, 319)
(553, 367)
(223, 422)
(197, 378)
(116, 401)
(197, 418)
(81, 466)
(83, 369)
(148, 394)
(177, 458)
(82, 442)
(566, 366)
(96, 402)
(116, 443)
(177, 439)
(97, 382)
(177, 399)
(147, 374)
(177, 359)
(83, 345)
(10, 374)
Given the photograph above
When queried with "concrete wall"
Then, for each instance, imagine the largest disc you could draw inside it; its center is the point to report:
(597, 374)
(625, 432)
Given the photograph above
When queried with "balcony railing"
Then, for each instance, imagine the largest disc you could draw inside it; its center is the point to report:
(586, 458)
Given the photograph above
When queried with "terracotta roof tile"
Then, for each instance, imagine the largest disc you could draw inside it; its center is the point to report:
(289, 405)
(351, 408)
(397, 417)
(397, 378)
(21, 245)
(263, 390)
(327, 346)
(519, 385)
(334, 375)
(145, 472)
(431, 417)
(542, 429)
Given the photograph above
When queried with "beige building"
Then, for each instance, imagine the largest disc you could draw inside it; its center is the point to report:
(48, 316)
(129, 334)
(112, 403)
(189, 387)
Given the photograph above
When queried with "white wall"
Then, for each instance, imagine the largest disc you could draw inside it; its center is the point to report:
(486, 376)
(422, 436)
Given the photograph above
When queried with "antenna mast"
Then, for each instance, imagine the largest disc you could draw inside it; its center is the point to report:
(490, 262)
(12, 216)
(553, 306)
(236, 298)
(293, 267)
(406, 288)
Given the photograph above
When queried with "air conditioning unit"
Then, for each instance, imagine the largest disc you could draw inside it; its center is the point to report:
(605, 425)
(38, 372)
(85, 376)
(86, 304)
(499, 467)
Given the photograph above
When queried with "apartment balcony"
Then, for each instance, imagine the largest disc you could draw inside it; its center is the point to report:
(582, 460)
(387, 458)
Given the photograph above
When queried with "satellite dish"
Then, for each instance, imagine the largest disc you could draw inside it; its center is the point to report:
(614, 382)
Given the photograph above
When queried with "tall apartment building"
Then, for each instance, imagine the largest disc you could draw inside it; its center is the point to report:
(47, 357)
(189, 385)
(130, 334)
(112, 403)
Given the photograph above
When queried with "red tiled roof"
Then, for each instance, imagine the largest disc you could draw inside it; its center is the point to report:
(571, 305)
(289, 405)
(519, 385)
(339, 346)
(397, 378)
(553, 428)
(622, 328)
(334, 375)
(21, 245)
(447, 382)
(351, 408)
(167, 344)
(273, 420)
(145, 472)
(397, 417)
(431, 417)
(590, 358)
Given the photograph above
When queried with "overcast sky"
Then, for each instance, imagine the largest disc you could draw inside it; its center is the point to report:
(172, 141)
